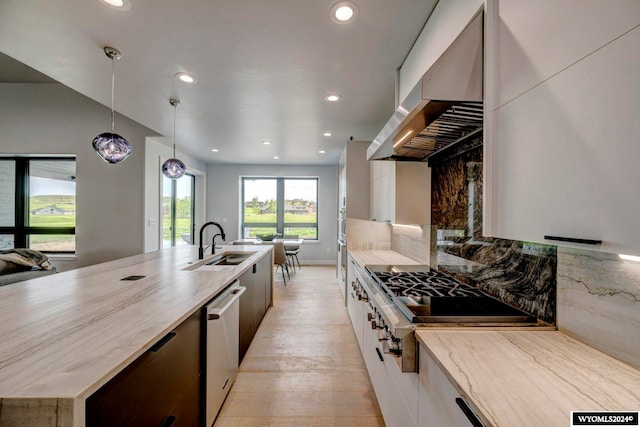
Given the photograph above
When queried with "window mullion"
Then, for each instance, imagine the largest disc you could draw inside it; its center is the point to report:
(280, 208)
(21, 199)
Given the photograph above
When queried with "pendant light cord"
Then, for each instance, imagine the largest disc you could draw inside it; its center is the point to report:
(175, 107)
(113, 91)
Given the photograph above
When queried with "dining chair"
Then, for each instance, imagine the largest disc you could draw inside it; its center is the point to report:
(292, 251)
(280, 259)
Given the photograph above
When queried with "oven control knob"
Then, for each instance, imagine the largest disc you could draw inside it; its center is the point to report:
(383, 335)
(369, 316)
(365, 297)
(396, 346)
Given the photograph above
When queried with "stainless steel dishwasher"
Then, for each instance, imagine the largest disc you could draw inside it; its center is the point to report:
(222, 346)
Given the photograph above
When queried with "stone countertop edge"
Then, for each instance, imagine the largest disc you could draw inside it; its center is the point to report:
(532, 377)
(68, 343)
(378, 256)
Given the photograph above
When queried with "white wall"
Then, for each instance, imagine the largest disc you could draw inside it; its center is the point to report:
(223, 203)
(155, 155)
(445, 23)
(53, 119)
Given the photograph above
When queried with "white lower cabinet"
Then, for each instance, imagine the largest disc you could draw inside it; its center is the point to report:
(437, 397)
(392, 387)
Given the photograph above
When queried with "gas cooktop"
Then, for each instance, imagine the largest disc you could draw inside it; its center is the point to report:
(425, 295)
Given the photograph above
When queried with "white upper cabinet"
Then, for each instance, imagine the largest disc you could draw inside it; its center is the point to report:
(537, 39)
(353, 180)
(562, 121)
(400, 192)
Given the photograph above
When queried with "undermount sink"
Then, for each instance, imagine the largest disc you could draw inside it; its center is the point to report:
(227, 258)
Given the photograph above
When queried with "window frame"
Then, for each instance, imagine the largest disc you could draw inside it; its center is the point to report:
(173, 209)
(21, 230)
(280, 224)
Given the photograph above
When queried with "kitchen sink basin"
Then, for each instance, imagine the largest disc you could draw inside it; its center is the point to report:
(223, 259)
(229, 258)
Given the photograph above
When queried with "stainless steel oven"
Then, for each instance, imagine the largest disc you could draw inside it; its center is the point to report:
(342, 229)
(342, 262)
(401, 299)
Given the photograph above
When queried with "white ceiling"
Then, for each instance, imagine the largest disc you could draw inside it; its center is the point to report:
(263, 68)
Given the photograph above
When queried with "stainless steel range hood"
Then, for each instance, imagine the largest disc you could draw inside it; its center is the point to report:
(443, 107)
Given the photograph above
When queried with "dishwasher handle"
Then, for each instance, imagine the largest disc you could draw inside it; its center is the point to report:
(216, 313)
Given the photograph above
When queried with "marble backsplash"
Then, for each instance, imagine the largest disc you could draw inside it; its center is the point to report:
(521, 274)
(599, 301)
(412, 242)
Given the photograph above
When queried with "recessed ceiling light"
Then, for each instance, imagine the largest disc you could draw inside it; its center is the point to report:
(344, 12)
(265, 142)
(118, 4)
(327, 134)
(215, 150)
(321, 151)
(332, 97)
(275, 157)
(186, 77)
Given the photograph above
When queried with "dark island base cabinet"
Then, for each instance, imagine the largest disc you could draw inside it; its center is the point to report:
(160, 388)
(255, 301)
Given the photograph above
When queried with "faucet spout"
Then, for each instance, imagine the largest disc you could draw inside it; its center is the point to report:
(200, 249)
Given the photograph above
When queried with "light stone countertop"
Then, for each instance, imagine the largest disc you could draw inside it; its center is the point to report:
(369, 256)
(531, 378)
(65, 335)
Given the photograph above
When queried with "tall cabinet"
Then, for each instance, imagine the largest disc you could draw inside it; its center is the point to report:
(353, 178)
(561, 141)
(353, 199)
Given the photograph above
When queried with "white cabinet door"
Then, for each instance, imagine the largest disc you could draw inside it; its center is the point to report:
(537, 39)
(564, 154)
(355, 309)
(394, 408)
(437, 397)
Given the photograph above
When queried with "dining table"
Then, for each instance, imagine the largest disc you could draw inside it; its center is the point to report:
(288, 243)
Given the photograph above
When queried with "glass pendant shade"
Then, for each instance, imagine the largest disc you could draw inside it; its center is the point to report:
(173, 168)
(111, 147)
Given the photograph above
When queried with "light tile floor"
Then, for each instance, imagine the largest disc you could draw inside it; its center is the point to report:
(303, 368)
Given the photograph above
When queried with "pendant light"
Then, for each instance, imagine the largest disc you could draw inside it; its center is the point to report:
(174, 168)
(110, 146)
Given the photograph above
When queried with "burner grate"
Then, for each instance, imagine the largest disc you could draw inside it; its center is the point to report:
(425, 283)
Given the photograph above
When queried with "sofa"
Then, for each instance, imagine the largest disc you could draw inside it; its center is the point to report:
(8, 278)
(17, 265)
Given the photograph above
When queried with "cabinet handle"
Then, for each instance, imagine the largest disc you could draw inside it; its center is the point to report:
(216, 313)
(373, 219)
(380, 355)
(255, 268)
(387, 221)
(574, 240)
(157, 346)
(168, 422)
(475, 422)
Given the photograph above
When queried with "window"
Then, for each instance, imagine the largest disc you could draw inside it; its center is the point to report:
(43, 213)
(177, 210)
(280, 206)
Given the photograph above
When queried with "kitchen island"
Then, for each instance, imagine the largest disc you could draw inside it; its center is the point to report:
(64, 336)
